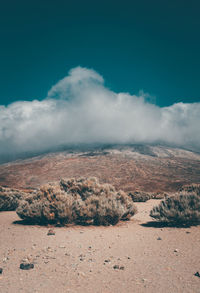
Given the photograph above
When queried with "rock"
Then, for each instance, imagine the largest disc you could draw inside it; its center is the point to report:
(51, 232)
(159, 238)
(27, 263)
(176, 250)
(197, 274)
(1, 271)
(106, 260)
(117, 267)
(26, 266)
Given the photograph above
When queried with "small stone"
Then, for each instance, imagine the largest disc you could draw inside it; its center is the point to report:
(176, 250)
(188, 232)
(197, 274)
(62, 246)
(1, 271)
(122, 268)
(116, 267)
(51, 232)
(106, 260)
(26, 266)
(128, 257)
(159, 238)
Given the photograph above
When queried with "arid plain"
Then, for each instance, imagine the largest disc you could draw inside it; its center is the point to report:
(135, 256)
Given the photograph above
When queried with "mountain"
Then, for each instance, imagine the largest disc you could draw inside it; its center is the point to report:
(150, 168)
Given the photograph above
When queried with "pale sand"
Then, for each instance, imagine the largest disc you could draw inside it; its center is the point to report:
(74, 261)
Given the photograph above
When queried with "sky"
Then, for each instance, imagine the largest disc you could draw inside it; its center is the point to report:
(151, 46)
(98, 72)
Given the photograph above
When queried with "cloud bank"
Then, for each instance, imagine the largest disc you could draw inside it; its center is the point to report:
(80, 109)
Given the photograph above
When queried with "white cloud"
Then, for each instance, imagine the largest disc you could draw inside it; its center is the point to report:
(80, 109)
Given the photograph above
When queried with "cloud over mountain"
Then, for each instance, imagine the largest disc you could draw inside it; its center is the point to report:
(80, 109)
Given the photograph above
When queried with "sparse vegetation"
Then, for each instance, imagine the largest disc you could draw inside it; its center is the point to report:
(9, 198)
(139, 196)
(81, 201)
(190, 188)
(179, 210)
(159, 195)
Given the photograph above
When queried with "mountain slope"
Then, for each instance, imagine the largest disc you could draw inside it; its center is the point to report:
(144, 167)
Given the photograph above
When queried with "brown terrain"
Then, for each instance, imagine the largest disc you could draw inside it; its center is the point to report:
(135, 256)
(130, 257)
(145, 168)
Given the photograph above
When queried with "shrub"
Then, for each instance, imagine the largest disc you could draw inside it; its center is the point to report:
(179, 209)
(159, 195)
(9, 198)
(81, 201)
(46, 205)
(139, 196)
(190, 188)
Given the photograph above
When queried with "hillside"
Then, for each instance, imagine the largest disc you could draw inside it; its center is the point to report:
(143, 167)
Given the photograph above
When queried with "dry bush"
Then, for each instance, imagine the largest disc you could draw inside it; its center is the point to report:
(190, 188)
(159, 195)
(47, 205)
(139, 196)
(178, 209)
(9, 198)
(81, 201)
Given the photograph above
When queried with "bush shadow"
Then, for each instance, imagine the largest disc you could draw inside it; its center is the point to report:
(153, 224)
(29, 223)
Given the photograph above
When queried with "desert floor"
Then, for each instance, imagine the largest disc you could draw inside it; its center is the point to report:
(149, 258)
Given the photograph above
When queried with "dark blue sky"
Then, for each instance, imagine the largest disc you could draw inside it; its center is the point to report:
(149, 45)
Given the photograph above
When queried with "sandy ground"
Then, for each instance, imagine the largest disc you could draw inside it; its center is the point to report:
(81, 259)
